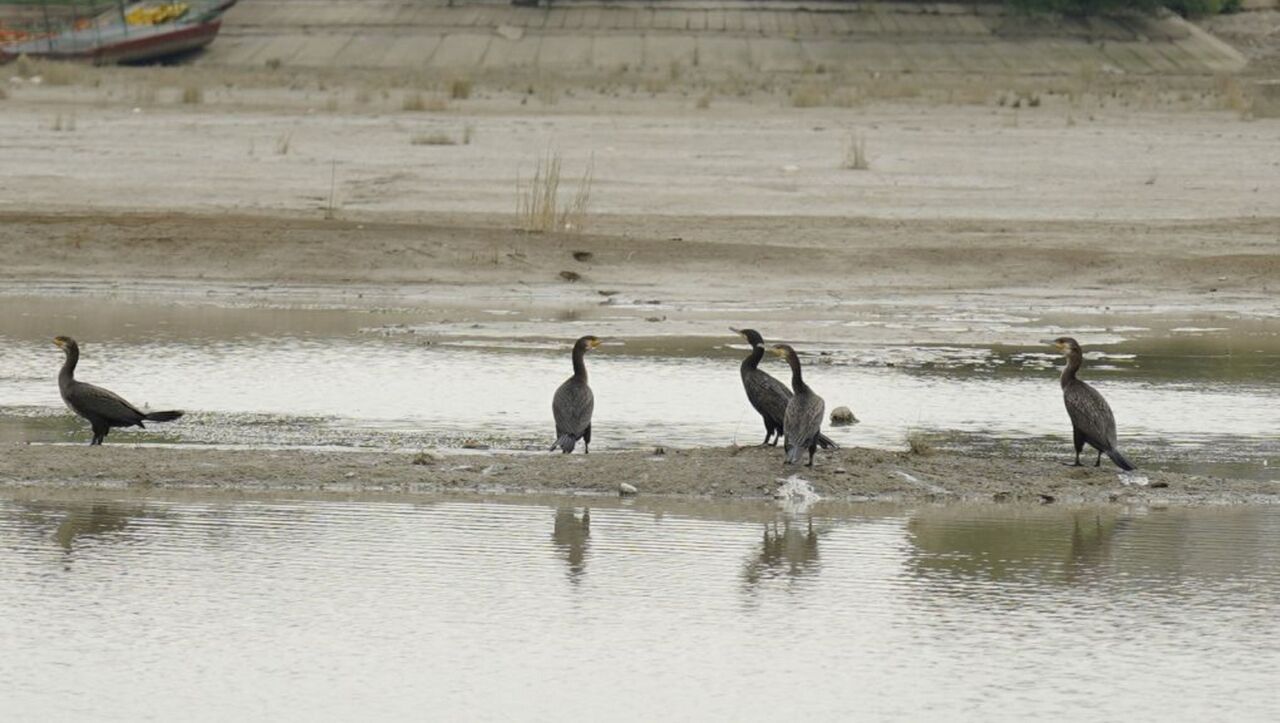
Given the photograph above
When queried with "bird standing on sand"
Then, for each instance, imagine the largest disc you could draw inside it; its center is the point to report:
(767, 395)
(103, 409)
(802, 423)
(1091, 417)
(573, 402)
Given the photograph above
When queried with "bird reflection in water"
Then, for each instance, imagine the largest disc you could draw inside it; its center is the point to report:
(571, 535)
(1049, 547)
(69, 526)
(793, 550)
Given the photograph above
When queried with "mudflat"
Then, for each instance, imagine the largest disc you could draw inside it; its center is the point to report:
(734, 472)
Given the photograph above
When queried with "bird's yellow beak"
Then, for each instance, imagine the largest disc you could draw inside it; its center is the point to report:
(593, 343)
(57, 341)
(778, 351)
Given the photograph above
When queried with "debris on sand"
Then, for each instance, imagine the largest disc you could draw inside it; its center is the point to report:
(426, 458)
(627, 490)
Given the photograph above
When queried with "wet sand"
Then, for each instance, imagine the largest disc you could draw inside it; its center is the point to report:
(724, 473)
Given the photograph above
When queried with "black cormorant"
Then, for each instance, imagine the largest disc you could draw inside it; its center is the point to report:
(802, 423)
(102, 408)
(767, 395)
(573, 402)
(1091, 417)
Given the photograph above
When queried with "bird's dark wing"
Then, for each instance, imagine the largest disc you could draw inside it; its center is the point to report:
(803, 420)
(768, 395)
(1090, 414)
(88, 399)
(572, 407)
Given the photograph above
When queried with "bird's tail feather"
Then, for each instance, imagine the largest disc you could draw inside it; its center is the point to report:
(566, 443)
(825, 442)
(1120, 461)
(163, 416)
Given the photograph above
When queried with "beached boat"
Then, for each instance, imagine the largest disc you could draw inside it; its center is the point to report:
(126, 33)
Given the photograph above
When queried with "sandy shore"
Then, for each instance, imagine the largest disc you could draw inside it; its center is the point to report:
(1210, 264)
(728, 473)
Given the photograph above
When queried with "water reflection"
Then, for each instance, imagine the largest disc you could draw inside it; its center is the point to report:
(572, 537)
(75, 525)
(791, 551)
(1021, 544)
(304, 606)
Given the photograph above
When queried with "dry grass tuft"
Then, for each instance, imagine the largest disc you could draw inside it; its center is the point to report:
(283, 143)
(808, 96)
(24, 67)
(538, 208)
(192, 95)
(460, 89)
(704, 102)
(1232, 97)
(417, 102)
(61, 124)
(919, 444)
(855, 153)
(60, 73)
(432, 139)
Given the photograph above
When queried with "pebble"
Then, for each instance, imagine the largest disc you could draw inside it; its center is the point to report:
(840, 416)
(626, 490)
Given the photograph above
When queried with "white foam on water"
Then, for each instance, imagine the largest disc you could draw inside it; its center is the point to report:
(795, 493)
(1134, 479)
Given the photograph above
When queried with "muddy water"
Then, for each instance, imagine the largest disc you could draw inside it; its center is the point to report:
(1187, 395)
(209, 608)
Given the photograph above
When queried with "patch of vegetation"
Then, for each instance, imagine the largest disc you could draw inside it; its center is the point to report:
(417, 102)
(460, 89)
(918, 443)
(855, 153)
(432, 139)
(538, 207)
(1187, 8)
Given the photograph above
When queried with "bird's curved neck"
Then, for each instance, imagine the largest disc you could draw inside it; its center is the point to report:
(579, 363)
(68, 373)
(753, 360)
(1073, 366)
(797, 380)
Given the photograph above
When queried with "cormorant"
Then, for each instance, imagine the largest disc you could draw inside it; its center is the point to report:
(1091, 417)
(802, 422)
(573, 403)
(102, 408)
(767, 395)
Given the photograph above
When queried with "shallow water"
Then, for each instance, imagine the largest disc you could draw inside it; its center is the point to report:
(195, 607)
(1186, 397)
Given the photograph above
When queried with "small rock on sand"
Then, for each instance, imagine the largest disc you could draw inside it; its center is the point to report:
(626, 490)
(841, 416)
